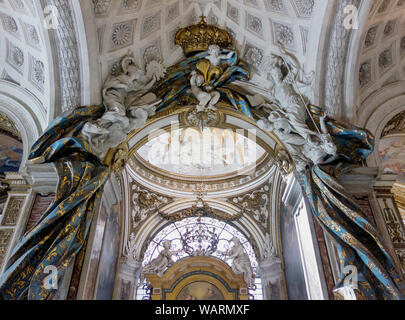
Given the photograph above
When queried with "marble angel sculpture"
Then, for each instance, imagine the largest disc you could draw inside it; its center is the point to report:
(303, 151)
(322, 148)
(241, 262)
(160, 264)
(288, 114)
(290, 93)
(128, 104)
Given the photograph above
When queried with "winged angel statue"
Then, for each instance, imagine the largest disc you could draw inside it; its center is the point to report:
(128, 102)
(321, 149)
(288, 113)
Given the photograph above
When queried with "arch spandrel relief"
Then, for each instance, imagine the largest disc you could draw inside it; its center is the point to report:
(203, 91)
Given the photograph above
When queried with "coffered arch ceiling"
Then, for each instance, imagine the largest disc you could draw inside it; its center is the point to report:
(148, 28)
(377, 53)
(24, 56)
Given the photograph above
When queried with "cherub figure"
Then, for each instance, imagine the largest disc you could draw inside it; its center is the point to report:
(207, 100)
(214, 55)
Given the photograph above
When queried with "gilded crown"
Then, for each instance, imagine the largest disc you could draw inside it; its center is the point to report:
(200, 36)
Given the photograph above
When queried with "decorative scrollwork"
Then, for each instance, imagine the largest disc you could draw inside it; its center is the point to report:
(203, 119)
(195, 211)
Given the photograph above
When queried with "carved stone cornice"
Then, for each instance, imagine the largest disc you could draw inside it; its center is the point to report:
(42, 177)
(17, 182)
(204, 211)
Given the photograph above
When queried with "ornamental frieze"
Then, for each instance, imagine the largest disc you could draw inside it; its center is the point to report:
(12, 211)
(5, 237)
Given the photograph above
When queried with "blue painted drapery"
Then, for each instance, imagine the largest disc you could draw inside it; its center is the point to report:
(359, 243)
(63, 228)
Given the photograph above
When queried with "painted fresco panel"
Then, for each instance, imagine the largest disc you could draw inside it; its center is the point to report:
(392, 154)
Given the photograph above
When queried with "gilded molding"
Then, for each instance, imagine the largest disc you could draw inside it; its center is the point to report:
(398, 191)
(395, 125)
(7, 125)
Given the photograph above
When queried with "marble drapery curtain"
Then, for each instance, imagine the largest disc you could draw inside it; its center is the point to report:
(63, 228)
(358, 241)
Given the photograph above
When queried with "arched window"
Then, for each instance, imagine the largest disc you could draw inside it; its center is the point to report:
(201, 236)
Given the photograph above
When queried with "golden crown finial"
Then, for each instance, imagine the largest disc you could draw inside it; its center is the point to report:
(200, 36)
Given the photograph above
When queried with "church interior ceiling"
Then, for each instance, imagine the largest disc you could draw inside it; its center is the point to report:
(62, 54)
